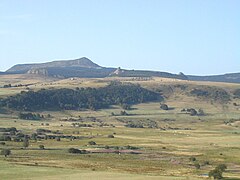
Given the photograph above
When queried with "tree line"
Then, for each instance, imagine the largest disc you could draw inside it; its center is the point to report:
(80, 98)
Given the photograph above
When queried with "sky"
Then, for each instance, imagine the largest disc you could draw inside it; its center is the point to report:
(199, 37)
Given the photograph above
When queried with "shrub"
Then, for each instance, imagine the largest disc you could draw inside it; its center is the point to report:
(192, 159)
(192, 111)
(131, 147)
(221, 167)
(41, 146)
(206, 163)
(6, 152)
(5, 138)
(236, 93)
(164, 107)
(201, 112)
(25, 143)
(197, 165)
(217, 172)
(12, 129)
(92, 143)
(132, 125)
(110, 136)
(126, 106)
(30, 116)
(211, 93)
(123, 113)
(76, 151)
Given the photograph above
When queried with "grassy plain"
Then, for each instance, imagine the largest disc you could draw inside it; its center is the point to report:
(164, 151)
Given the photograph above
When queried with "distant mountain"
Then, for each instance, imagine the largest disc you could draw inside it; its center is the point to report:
(84, 67)
(231, 77)
(143, 73)
(82, 62)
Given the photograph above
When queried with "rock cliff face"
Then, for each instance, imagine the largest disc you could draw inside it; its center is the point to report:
(39, 71)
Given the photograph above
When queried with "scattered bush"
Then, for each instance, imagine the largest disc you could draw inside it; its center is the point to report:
(131, 147)
(41, 147)
(193, 112)
(12, 129)
(235, 104)
(192, 159)
(126, 106)
(218, 171)
(6, 152)
(164, 107)
(25, 143)
(123, 113)
(110, 136)
(39, 131)
(211, 93)
(107, 147)
(7, 86)
(132, 125)
(206, 163)
(200, 112)
(5, 138)
(76, 151)
(197, 165)
(236, 93)
(30, 116)
(92, 143)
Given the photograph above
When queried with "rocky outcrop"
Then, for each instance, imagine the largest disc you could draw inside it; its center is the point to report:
(40, 71)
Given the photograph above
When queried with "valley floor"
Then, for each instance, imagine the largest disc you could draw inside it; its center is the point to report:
(170, 145)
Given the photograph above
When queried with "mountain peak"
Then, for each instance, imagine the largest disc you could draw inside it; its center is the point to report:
(81, 62)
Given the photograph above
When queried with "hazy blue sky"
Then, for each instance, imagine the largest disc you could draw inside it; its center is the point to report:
(192, 36)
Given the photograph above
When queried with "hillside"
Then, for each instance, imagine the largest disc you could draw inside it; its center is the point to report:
(81, 62)
(231, 77)
(85, 68)
(119, 118)
(82, 67)
(94, 116)
(143, 73)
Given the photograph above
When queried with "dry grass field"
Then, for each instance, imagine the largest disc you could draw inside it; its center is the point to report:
(163, 151)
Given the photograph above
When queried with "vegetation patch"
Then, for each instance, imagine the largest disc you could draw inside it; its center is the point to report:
(236, 93)
(211, 93)
(81, 98)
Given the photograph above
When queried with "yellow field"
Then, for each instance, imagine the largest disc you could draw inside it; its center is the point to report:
(164, 153)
